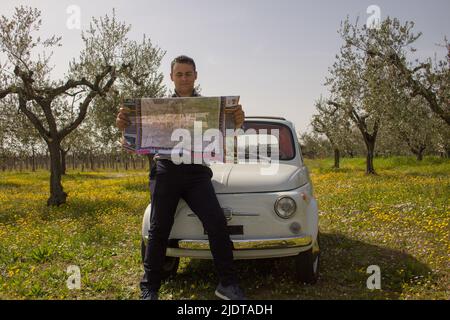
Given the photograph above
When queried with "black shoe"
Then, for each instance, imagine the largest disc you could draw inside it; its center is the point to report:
(149, 295)
(231, 292)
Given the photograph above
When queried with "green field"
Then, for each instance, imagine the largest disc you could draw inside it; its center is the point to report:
(398, 220)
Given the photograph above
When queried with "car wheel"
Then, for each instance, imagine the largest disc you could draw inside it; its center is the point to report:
(307, 265)
(170, 266)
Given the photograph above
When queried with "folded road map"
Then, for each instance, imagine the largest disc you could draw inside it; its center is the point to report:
(190, 125)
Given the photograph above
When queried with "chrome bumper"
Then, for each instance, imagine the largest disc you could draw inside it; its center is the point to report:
(254, 244)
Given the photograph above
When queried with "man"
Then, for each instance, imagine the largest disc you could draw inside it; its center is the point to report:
(192, 182)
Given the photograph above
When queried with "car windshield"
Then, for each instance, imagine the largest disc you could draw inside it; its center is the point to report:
(265, 141)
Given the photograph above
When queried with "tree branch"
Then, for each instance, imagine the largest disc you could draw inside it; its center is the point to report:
(45, 134)
(84, 105)
(5, 92)
(419, 89)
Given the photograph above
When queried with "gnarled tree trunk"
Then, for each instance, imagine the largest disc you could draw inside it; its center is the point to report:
(63, 160)
(337, 156)
(57, 194)
(370, 145)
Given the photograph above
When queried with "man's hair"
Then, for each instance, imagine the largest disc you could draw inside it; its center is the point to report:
(182, 59)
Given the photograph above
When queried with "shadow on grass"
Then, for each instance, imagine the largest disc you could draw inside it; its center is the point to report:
(339, 170)
(435, 174)
(82, 208)
(9, 185)
(89, 175)
(343, 274)
(139, 187)
(392, 163)
(74, 208)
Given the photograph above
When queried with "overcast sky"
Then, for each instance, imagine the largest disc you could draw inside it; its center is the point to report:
(274, 54)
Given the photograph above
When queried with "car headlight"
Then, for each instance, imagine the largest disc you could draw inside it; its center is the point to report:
(285, 207)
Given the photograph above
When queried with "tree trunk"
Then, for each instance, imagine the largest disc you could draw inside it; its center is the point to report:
(46, 161)
(370, 144)
(420, 153)
(57, 194)
(420, 156)
(73, 160)
(91, 161)
(33, 160)
(63, 161)
(337, 156)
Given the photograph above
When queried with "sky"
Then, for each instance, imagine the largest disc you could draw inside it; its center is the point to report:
(274, 54)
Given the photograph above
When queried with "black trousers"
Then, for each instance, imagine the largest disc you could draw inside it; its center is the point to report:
(192, 182)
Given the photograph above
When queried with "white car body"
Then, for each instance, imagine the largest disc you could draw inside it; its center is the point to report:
(248, 198)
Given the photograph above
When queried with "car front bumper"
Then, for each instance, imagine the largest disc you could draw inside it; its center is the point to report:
(245, 249)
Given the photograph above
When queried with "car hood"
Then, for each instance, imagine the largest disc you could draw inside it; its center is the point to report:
(246, 178)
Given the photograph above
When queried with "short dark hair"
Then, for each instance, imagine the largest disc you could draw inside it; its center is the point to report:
(182, 59)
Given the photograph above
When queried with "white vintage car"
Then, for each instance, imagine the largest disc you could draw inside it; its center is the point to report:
(269, 214)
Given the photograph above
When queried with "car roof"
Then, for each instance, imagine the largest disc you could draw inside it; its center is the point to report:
(264, 117)
(271, 119)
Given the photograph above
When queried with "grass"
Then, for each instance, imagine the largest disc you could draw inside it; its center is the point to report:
(398, 220)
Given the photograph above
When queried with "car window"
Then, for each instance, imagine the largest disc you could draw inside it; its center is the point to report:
(257, 146)
(262, 137)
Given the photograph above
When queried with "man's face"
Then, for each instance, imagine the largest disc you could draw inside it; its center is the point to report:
(183, 76)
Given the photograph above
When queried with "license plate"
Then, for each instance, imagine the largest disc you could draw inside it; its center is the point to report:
(232, 230)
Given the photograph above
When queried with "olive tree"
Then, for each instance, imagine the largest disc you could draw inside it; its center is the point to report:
(427, 79)
(334, 124)
(56, 108)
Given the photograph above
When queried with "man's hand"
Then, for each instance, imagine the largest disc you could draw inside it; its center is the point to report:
(239, 116)
(122, 120)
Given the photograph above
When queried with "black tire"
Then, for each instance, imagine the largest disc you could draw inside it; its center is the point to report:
(170, 266)
(307, 265)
